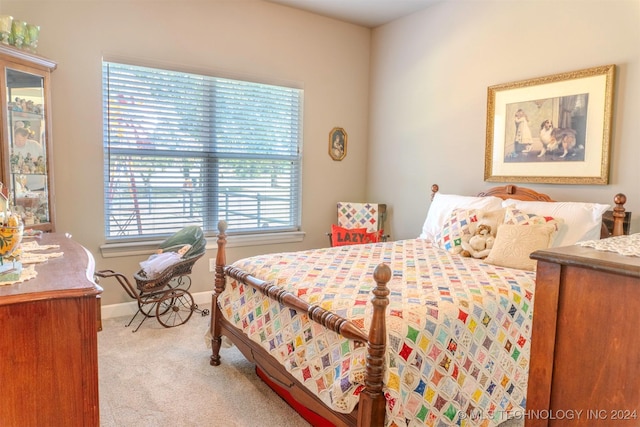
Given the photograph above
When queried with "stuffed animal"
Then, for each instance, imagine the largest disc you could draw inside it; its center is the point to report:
(479, 244)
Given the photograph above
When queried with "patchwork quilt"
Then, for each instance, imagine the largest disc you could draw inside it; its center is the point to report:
(458, 329)
(356, 215)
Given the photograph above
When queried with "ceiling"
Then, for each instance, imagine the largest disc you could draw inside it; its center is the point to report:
(368, 13)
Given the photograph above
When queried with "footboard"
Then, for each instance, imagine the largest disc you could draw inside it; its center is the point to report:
(371, 406)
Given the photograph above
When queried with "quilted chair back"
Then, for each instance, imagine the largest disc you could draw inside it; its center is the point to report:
(358, 223)
(362, 215)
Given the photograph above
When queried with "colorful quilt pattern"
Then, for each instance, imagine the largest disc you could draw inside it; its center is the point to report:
(458, 329)
(359, 215)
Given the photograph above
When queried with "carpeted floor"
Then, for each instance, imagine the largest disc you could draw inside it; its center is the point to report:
(162, 377)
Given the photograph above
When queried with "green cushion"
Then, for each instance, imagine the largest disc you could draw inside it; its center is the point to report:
(191, 235)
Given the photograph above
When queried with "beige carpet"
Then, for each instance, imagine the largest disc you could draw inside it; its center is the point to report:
(162, 377)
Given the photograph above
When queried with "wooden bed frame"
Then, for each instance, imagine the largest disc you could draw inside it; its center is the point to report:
(370, 410)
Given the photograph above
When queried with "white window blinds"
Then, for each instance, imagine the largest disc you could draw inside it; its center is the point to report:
(185, 149)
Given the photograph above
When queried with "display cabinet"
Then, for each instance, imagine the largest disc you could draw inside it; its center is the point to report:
(26, 147)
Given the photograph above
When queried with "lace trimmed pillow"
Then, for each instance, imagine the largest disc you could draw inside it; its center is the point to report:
(582, 221)
(515, 216)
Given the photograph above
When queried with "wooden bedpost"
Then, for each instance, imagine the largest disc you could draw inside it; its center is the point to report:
(619, 214)
(221, 262)
(372, 405)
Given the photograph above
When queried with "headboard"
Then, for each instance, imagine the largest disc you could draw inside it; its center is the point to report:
(511, 191)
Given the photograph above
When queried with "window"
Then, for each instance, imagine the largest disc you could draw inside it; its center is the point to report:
(186, 149)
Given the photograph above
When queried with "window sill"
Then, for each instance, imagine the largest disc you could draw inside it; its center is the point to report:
(113, 250)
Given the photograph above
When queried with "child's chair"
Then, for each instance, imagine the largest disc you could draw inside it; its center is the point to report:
(358, 223)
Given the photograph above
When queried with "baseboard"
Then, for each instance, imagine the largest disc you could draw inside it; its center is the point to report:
(130, 308)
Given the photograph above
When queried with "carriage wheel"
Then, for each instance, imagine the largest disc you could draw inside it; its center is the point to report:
(175, 308)
(148, 305)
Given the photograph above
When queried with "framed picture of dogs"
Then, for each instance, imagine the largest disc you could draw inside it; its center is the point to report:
(554, 129)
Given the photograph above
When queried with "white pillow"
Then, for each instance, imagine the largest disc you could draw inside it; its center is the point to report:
(582, 221)
(442, 206)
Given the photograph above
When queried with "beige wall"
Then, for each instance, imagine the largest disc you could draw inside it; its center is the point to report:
(430, 73)
(253, 39)
(426, 97)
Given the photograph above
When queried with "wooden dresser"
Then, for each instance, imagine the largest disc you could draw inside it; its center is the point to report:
(48, 343)
(585, 345)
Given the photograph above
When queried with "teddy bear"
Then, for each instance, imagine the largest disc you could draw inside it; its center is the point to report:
(479, 244)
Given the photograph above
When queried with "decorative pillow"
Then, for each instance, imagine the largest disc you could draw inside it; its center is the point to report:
(443, 204)
(374, 237)
(460, 223)
(493, 219)
(341, 236)
(514, 244)
(582, 221)
(515, 216)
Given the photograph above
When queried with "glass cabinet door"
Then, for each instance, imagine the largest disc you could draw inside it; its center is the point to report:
(27, 137)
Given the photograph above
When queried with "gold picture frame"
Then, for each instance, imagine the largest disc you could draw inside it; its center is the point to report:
(337, 144)
(554, 129)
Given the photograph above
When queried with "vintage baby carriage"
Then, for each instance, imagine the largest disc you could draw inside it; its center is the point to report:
(165, 293)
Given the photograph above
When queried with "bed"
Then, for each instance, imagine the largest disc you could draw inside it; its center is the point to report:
(410, 332)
